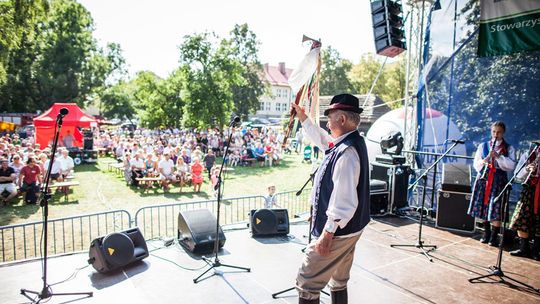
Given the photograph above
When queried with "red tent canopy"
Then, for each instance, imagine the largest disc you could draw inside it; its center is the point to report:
(45, 124)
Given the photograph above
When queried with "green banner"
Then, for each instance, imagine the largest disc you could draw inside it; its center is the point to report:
(509, 26)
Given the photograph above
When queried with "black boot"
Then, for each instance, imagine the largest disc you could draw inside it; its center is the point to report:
(487, 233)
(524, 249)
(494, 238)
(535, 254)
(306, 301)
(339, 297)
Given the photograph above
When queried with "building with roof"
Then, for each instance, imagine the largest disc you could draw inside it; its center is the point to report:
(280, 96)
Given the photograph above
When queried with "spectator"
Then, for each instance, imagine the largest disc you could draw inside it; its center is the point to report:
(209, 161)
(68, 140)
(66, 163)
(166, 169)
(7, 182)
(196, 178)
(29, 180)
(270, 200)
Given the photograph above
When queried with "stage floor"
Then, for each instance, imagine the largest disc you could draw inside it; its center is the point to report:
(380, 274)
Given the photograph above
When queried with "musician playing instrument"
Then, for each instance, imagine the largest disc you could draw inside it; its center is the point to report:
(526, 218)
(498, 162)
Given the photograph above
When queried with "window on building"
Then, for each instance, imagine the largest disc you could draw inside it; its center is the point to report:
(267, 107)
(278, 107)
(261, 105)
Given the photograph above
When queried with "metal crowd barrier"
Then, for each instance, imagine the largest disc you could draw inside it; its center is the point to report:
(67, 234)
(75, 233)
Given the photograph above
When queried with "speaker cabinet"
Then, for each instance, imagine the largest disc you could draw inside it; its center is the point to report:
(397, 178)
(456, 177)
(116, 250)
(197, 231)
(452, 211)
(269, 222)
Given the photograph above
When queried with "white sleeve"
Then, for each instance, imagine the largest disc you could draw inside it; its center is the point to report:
(478, 160)
(343, 200)
(508, 163)
(316, 134)
(523, 173)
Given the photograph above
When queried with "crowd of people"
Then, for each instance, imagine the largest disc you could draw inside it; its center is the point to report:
(188, 156)
(24, 166)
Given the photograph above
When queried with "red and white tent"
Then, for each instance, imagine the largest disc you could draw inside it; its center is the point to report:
(75, 119)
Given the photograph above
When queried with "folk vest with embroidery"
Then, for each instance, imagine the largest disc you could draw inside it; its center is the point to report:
(325, 186)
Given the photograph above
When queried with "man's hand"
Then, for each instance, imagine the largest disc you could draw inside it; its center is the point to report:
(300, 113)
(324, 243)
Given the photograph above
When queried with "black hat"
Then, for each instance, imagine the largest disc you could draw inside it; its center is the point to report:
(344, 102)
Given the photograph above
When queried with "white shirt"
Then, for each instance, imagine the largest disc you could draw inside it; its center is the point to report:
(346, 175)
(66, 164)
(505, 163)
(166, 166)
(56, 167)
(137, 163)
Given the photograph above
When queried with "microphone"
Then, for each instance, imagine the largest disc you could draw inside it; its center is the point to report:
(457, 141)
(235, 121)
(63, 112)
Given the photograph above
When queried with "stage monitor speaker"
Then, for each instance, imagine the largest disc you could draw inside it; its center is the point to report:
(117, 249)
(452, 211)
(197, 231)
(269, 222)
(456, 177)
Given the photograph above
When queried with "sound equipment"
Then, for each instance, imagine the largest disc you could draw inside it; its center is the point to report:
(397, 178)
(378, 197)
(197, 231)
(452, 211)
(269, 222)
(118, 249)
(456, 177)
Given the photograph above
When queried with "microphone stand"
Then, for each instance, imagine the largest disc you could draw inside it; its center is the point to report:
(420, 244)
(497, 269)
(298, 193)
(46, 292)
(217, 263)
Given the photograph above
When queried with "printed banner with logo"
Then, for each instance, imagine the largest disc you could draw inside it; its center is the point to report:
(508, 26)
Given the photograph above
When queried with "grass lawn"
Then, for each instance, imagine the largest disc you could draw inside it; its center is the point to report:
(101, 190)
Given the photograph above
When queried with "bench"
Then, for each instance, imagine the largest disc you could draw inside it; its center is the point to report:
(65, 185)
(118, 167)
(147, 181)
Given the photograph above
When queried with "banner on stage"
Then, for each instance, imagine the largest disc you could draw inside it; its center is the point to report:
(508, 26)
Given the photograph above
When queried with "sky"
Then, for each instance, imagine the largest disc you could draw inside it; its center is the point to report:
(150, 31)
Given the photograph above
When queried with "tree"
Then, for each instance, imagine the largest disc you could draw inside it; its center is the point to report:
(243, 47)
(334, 73)
(209, 75)
(57, 61)
(17, 21)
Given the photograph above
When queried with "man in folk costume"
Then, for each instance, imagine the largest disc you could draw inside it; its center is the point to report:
(340, 199)
(526, 218)
(496, 161)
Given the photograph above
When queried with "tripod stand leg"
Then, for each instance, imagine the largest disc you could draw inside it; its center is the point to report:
(274, 295)
(236, 267)
(196, 280)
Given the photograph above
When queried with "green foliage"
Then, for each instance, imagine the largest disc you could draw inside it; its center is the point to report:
(56, 60)
(334, 73)
(243, 47)
(391, 83)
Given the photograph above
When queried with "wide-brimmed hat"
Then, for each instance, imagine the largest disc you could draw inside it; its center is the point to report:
(344, 102)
